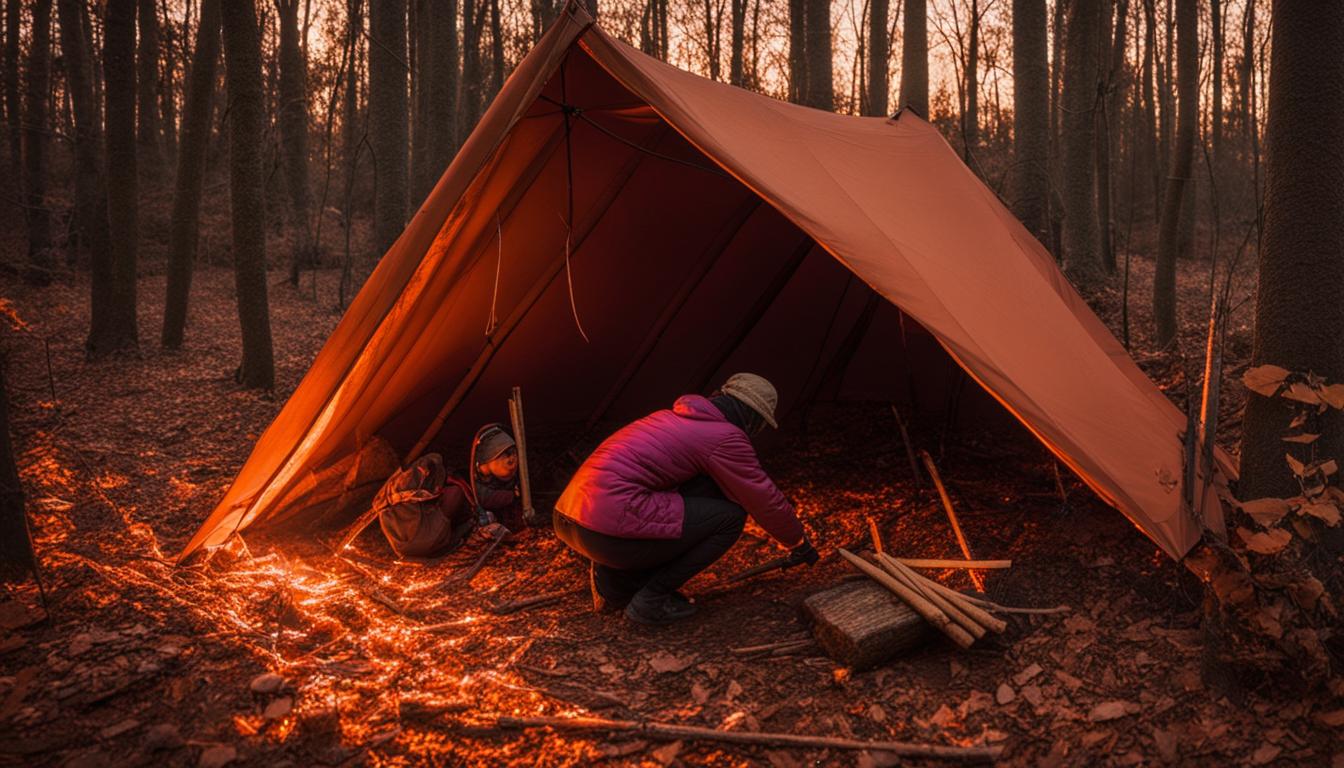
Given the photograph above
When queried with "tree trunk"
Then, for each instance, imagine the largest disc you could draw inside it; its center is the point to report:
(16, 548)
(712, 46)
(112, 326)
(496, 52)
(242, 57)
(1168, 239)
(970, 119)
(1031, 121)
(147, 91)
(1166, 90)
(184, 231)
(1108, 133)
(352, 128)
(293, 121)
(437, 75)
(36, 147)
(820, 81)
(13, 111)
(1081, 69)
(473, 19)
(879, 58)
(1299, 319)
(1216, 116)
(1149, 138)
(798, 51)
(90, 193)
(168, 93)
(387, 120)
(915, 58)
(736, 61)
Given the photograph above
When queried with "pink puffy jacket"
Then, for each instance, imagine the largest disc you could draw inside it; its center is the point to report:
(628, 487)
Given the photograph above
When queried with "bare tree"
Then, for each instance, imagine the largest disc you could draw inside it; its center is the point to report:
(473, 74)
(1168, 239)
(879, 57)
(436, 92)
(388, 131)
(16, 547)
(1299, 321)
(293, 120)
(242, 57)
(112, 326)
(36, 147)
(147, 91)
(736, 62)
(1150, 138)
(1216, 115)
(1114, 81)
(798, 51)
(184, 231)
(90, 192)
(1079, 101)
(1031, 120)
(970, 118)
(915, 58)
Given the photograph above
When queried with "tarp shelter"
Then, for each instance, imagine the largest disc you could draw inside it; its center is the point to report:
(689, 229)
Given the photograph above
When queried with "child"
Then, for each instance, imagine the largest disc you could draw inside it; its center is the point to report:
(494, 479)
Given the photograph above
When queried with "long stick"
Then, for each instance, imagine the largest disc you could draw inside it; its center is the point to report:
(520, 442)
(480, 561)
(535, 601)
(673, 731)
(909, 449)
(915, 562)
(951, 515)
(916, 601)
(963, 602)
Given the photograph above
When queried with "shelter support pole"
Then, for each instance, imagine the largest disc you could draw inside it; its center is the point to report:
(520, 440)
(709, 257)
(753, 316)
(515, 318)
(951, 515)
(849, 346)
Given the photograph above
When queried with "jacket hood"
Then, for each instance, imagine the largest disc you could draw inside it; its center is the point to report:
(696, 407)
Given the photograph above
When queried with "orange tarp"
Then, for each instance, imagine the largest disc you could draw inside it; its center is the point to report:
(713, 230)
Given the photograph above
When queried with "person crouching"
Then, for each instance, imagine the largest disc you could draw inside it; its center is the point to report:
(667, 495)
(494, 481)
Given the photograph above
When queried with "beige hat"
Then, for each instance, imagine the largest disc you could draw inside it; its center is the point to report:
(756, 392)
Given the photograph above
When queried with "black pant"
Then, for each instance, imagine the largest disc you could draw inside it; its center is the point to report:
(623, 566)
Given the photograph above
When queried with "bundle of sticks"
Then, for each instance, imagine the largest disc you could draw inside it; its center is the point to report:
(961, 617)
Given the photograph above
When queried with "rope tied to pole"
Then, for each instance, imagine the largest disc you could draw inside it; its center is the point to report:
(569, 111)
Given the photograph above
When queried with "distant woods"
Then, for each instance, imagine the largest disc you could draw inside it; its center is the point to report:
(1112, 128)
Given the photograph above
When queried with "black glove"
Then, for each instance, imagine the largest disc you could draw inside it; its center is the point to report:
(803, 554)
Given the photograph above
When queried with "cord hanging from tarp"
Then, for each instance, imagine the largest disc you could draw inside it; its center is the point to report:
(569, 111)
(492, 322)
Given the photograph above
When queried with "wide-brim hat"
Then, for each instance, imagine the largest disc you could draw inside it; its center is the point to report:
(756, 392)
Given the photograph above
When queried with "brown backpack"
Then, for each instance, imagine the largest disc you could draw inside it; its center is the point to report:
(423, 511)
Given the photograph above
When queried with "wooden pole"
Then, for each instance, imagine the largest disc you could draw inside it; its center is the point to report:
(951, 515)
(930, 612)
(877, 538)
(673, 731)
(905, 443)
(520, 441)
(915, 562)
(962, 602)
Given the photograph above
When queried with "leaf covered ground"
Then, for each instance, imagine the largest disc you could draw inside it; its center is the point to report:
(372, 662)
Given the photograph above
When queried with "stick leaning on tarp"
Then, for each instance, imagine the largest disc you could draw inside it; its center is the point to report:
(520, 443)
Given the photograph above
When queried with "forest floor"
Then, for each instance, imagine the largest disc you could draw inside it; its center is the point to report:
(141, 662)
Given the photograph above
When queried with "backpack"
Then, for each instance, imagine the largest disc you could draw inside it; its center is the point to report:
(423, 511)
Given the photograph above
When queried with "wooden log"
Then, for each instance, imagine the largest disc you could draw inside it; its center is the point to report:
(520, 443)
(673, 731)
(961, 601)
(920, 584)
(916, 601)
(861, 625)
(915, 562)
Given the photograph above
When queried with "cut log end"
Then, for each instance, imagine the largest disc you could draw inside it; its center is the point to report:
(861, 624)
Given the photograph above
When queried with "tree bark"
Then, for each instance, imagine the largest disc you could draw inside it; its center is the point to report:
(915, 58)
(147, 92)
(736, 61)
(1299, 319)
(1108, 133)
(387, 119)
(13, 110)
(820, 79)
(16, 548)
(713, 48)
(168, 93)
(1031, 117)
(352, 128)
(1216, 115)
(970, 119)
(1081, 70)
(293, 121)
(90, 192)
(437, 92)
(1168, 239)
(496, 52)
(36, 147)
(879, 58)
(1149, 138)
(798, 51)
(242, 57)
(112, 326)
(184, 231)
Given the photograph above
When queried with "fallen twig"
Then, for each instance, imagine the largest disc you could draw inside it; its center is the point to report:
(764, 738)
(951, 515)
(915, 562)
(480, 561)
(773, 646)
(533, 602)
(917, 602)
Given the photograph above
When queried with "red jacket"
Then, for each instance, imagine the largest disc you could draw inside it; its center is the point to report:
(628, 486)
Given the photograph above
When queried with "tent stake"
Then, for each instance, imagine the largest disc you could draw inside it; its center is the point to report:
(951, 515)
